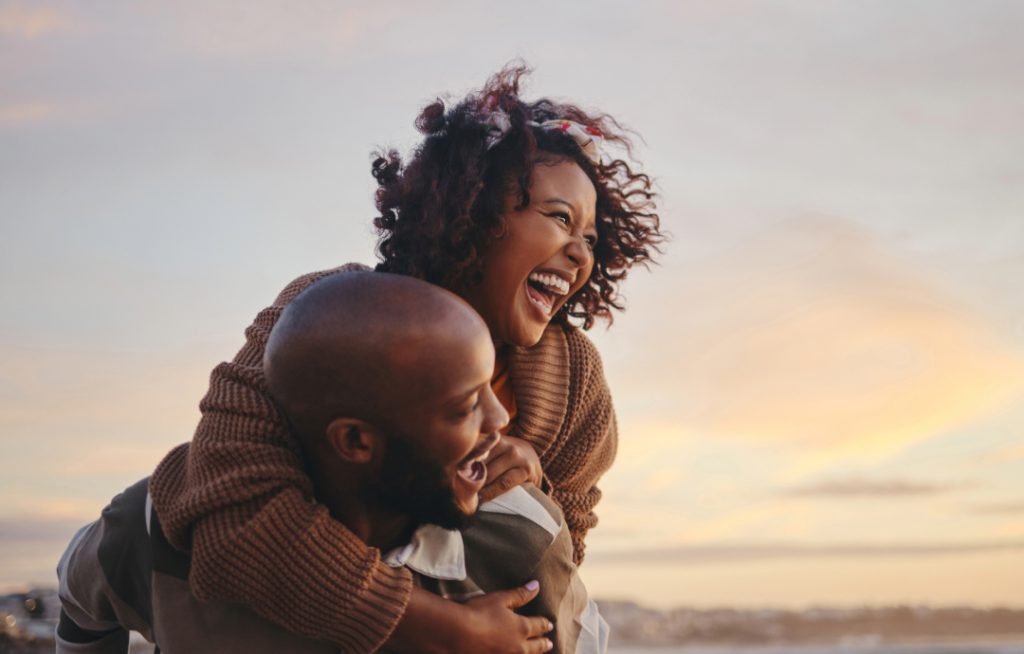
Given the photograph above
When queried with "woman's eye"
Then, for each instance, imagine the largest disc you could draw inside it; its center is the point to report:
(591, 240)
(560, 217)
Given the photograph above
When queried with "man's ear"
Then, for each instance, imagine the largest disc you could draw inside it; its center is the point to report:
(353, 440)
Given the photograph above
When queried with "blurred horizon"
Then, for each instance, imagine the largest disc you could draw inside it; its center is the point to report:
(819, 387)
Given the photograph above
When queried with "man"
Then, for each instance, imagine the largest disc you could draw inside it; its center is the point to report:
(386, 381)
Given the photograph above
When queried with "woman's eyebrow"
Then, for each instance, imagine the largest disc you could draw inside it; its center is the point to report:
(556, 200)
(572, 208)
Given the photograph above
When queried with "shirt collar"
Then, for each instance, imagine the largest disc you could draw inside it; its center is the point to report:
(440, 553)
(433, 552)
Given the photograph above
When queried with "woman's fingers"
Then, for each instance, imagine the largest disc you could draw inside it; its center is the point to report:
(505, 482)
(537, 626)
(519, 596)
(510, 453)
(538, 646)
(527, 457)
(500, 461)
(499, 629)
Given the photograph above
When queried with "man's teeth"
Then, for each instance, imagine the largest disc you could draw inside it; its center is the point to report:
(553, 283)
(474, 470)
(468, 465)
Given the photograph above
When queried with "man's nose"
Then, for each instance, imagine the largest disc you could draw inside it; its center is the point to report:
(491, 440)
(496, 417)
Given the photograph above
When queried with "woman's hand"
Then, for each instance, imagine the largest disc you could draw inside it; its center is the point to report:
(498, 629)
(511, 462)
(487, 624)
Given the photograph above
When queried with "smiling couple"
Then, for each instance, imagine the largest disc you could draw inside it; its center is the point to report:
(366, 412)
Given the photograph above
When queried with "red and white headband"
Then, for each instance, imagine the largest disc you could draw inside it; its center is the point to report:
(590, 139)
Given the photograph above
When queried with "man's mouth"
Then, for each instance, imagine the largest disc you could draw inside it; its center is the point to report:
(472, 468)
(544, 290)
(473, 471)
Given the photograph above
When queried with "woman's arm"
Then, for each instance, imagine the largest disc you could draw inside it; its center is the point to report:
(484, 625)
(239, 497)
(590, 440)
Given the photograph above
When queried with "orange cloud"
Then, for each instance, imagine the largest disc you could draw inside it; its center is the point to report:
(27, 113)
(887, 488)
(103, 415)
(55, 390)
(31, 23)
(813, 336)
(729, 553)
(30, 113)
(1004, 455)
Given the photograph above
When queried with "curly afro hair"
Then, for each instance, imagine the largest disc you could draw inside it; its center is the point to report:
(439, 213)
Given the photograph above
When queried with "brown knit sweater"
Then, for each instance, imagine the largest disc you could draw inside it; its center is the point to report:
(240, 499)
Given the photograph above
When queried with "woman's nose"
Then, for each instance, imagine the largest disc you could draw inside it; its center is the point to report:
(578, 251)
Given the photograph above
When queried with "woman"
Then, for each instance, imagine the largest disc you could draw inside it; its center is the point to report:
(513, 206)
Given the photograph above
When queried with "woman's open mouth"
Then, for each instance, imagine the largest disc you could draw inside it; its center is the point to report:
(544, 290)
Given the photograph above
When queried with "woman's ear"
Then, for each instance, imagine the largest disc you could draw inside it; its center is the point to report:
(353, 440)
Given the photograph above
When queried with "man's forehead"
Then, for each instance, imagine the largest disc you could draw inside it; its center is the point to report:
(441, 369)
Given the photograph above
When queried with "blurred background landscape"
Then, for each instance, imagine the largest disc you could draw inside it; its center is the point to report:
(820, 389)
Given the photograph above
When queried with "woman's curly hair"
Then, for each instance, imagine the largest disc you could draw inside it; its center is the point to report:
(440, 212)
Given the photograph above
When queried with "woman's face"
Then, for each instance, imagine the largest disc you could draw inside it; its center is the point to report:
(543, 258)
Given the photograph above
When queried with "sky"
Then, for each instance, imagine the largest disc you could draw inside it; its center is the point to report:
(819, 387)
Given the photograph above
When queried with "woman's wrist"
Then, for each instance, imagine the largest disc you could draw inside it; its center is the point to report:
(430, 624)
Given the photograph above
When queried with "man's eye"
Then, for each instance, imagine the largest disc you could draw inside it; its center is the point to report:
(465, 413)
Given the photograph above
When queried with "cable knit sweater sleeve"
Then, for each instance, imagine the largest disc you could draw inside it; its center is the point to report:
(589, 437)
(239, 498)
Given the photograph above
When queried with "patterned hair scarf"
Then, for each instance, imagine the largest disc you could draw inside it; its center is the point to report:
(589, 139)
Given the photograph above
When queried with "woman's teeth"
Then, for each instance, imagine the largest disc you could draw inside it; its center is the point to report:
(553, 283)
(540, 299)
(543, 288)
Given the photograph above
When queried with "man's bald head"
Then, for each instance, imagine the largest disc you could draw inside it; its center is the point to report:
(362, 345)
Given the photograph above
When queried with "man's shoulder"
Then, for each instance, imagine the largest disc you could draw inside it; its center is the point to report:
(510, 536)
(527, 503)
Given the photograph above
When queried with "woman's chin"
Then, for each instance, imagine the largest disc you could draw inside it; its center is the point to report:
(528, 332)
(527, 338)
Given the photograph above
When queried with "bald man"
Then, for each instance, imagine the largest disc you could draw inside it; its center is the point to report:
(370, 370)
(386, 381)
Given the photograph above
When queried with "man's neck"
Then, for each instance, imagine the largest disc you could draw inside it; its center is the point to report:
(381, 528)
(388, 530)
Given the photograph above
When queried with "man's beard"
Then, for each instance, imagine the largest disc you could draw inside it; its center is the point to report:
(415, 487)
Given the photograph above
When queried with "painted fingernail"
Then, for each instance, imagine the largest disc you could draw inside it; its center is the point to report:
(533, 585)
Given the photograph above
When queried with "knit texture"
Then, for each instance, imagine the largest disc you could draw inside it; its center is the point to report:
(240, 499)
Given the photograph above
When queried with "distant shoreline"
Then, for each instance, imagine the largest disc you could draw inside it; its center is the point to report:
(29, 615)
(21, 588)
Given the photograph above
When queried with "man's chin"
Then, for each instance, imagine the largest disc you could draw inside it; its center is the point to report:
(453, 518)
(467, 509)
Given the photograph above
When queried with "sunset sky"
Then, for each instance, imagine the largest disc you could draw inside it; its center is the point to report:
(820, 388)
